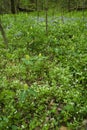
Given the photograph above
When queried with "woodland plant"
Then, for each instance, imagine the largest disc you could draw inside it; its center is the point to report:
(43, 79)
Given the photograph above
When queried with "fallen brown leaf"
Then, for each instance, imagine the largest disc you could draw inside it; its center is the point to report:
(63, 128)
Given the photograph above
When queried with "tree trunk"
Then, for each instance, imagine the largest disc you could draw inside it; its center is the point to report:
(46, 11)
(69, 5)
(3, 35)
(13, 6)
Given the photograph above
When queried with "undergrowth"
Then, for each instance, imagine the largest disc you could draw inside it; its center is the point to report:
(43, 78)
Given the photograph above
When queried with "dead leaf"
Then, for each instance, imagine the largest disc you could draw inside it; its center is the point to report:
(63, 128)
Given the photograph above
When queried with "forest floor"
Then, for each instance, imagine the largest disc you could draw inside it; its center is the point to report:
(43, 72)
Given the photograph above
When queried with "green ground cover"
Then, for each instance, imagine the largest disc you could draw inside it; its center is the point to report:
(43, 78)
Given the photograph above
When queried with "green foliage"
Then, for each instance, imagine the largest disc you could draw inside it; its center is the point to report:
(43, 79)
